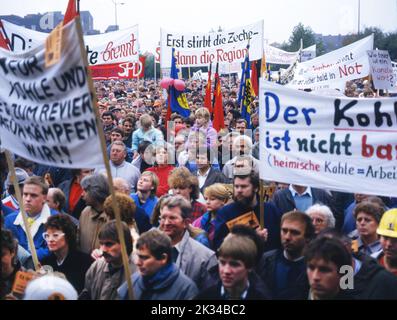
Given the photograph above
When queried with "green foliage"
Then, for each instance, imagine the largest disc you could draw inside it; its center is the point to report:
(382, 41)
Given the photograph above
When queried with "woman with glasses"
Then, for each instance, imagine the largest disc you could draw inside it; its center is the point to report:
(60, 235)
(321, 216)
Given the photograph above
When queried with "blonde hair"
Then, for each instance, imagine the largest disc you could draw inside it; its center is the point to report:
(155, 180)
(217, 190)
(202, 113)
(146, 121)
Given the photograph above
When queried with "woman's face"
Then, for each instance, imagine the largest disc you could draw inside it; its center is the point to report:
(161, 156)
(213, 203)
(319, 221)
(366, 224)
(55, 239)
(200, 121)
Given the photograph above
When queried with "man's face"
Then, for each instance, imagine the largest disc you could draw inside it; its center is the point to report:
(164, 113)
(323, 278)
(233, 272)
(360, 197)
(147, 264)
(117, 154)
(255, 121)
(293, 237)
(389, 246)
(243, 190)
(179, 143)
(33, 199)
(177, 121)
(127, 127)
(145, 184)
(116, 136)
(111, 251)
(107, 120)
(202, 161)
(366, 224)
(172, 223)
(240, 127)
(84, 173)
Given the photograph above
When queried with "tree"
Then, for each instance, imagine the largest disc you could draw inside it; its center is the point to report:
(308, 37)
(382, 41)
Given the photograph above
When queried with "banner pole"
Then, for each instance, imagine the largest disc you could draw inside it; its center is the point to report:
(115, 206)
(261, 204)
(22, 210)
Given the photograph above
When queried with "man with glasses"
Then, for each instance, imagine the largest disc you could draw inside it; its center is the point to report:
(34, 196)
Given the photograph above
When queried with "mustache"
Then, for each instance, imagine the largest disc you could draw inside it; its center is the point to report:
(106, 255)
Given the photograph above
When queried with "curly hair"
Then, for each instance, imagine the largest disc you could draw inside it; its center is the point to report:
(64, 223)
(182, 178)
(126, 205)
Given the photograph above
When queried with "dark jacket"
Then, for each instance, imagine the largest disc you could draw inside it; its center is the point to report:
(256, 291)
(142, 220)
(266, 269)
(272, 220)
(81, 204)
(285, 202)
(74, 267)
(214, 176)
(173, 286)
(213, 280)
(373, 281)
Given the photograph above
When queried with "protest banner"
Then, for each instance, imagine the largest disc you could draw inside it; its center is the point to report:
(381, 69)
(201, 49)
(277, 56)
(126, 70)
(335, 143)
(107, 48)
(332, 70)
(46, 114)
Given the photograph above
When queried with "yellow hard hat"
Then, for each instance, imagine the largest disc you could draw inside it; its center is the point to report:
(388, 224)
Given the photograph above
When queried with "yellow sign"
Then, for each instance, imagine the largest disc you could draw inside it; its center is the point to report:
(248, 219)
(22, 278)
(53, 46)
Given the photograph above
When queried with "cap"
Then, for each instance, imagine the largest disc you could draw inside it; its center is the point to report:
(50, 287)
(21, 174)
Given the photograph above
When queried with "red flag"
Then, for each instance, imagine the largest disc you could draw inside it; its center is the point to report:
(3, 40)
(254, 78)
(219, 122)
(207, 98)
(71, 12)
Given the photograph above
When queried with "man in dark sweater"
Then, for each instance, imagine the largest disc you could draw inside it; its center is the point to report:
(284, 270)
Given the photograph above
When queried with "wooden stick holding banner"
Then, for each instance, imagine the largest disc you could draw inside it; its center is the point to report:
(22, 210)
(265, 194)
(101, 134)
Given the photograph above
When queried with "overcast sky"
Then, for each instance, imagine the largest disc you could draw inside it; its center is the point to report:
(280, 16)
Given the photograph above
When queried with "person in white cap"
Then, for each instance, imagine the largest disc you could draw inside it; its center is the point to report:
(11, 201)
(50, 287)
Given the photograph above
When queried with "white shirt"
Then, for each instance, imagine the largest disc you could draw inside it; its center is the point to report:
(202, 178)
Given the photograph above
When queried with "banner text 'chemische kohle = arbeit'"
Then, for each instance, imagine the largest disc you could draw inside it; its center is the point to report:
(46, 114)
(336, 143)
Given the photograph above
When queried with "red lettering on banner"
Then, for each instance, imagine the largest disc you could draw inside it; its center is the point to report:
(124, 70)
(123, 50)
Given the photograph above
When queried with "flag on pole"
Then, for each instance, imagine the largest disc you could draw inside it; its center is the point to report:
(71, 12)
(246, 93)
(264, 73)
(207, 98)
(254, 76)
(177, 100)
(218, 122)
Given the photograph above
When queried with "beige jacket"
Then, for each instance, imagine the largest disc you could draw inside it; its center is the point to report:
(91, 222)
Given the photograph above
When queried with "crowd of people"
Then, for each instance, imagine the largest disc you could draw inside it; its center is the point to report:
(181, 188)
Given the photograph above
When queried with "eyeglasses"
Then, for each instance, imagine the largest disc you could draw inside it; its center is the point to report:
(55, 236)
